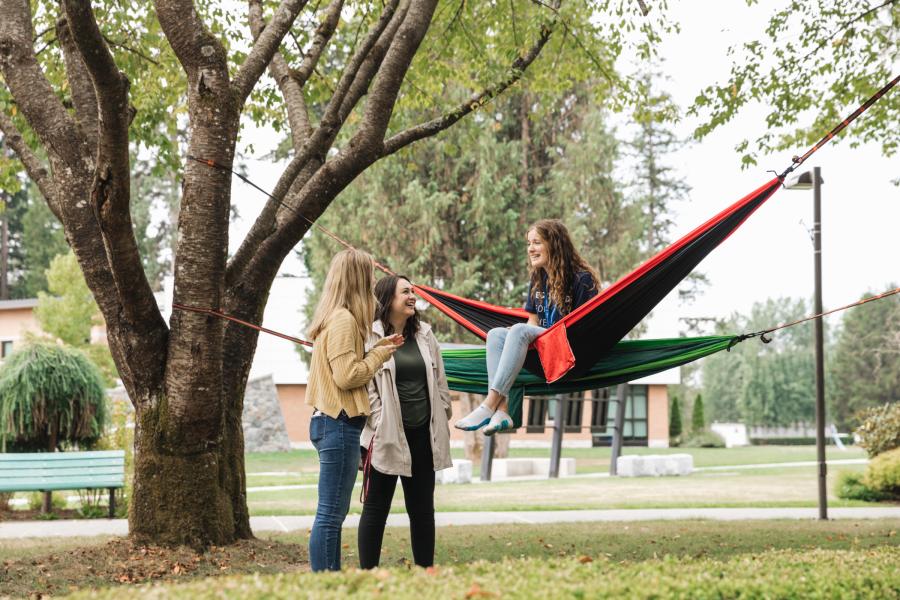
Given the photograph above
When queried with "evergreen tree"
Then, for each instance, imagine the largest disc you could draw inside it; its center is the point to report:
(68, 312)
(865, 365)
(36, 236)
(50, 396)
(698, 419)
(675, 419)
(764, 384)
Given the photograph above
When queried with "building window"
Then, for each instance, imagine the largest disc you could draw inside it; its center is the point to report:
(634, 428)
(537, 414)
(6, 348)
(541, 412)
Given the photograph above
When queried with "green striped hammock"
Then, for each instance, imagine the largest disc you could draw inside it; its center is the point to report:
(628, 360)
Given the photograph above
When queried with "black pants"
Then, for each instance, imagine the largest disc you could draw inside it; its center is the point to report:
(418, 492)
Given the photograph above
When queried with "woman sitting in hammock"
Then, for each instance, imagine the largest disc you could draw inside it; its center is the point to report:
(561, 281)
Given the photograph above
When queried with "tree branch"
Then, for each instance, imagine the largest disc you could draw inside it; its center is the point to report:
(476, 101)
(844, 26)
(291, 90)
(321, 38)
(370, 66)
(111, 189)
(314, 148)
(267, 42)
(83, 97)
(185, 31)
(36, 170)
(37, 100)
(137, 345)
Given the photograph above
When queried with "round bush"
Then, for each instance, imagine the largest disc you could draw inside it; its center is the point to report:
(850, 486)
(883, 473)
(880, 429)
(704, 439)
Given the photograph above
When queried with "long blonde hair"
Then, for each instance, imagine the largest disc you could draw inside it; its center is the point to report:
(349, 284)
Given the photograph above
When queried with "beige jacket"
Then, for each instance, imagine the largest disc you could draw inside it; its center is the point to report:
(390, 454)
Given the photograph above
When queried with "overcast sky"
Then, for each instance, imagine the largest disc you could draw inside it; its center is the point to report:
(771, 255)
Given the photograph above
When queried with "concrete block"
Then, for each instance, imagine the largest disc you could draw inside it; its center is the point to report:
(460, 472)
(653, 465)
(507, 468)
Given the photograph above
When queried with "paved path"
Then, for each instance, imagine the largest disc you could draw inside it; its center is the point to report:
(32, 529)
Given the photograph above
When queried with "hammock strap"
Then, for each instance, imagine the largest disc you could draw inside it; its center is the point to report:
(216, 313)
(799, 160)
(762, 334)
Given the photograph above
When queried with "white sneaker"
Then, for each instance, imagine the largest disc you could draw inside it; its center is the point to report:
(476, 419)
(501, 421)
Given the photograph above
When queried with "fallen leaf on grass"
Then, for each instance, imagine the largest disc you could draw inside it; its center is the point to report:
(585, 559)
(476, 592)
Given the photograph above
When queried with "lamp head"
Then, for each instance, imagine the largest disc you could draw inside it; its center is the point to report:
(799, 181)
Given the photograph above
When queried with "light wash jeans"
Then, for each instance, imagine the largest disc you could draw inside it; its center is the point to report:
(506, 351)
(337, 442)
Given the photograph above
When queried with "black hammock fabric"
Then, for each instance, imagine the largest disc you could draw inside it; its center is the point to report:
(571, 347)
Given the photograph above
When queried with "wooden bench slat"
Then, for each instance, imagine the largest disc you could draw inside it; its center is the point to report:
(42, 486)
(62, 466)
(59, 456)
(65, 480)
(10, 474)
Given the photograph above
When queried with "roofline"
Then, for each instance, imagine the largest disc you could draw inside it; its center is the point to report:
(14, 304)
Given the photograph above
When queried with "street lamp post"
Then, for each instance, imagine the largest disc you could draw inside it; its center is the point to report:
(804, 181)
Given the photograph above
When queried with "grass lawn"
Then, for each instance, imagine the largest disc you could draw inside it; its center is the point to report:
(302, 466)
(688, 559)
(784, 486)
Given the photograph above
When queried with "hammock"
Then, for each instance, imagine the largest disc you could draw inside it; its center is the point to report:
(628, 360)
(570, 349)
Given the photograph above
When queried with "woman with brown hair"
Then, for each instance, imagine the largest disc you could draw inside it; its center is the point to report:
(408, 432)
(561, 281)
(338, 375)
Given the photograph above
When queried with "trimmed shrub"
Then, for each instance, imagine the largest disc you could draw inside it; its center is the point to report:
(789, 441)
(850, 486)
(675, 428)
(698, 416)
(883, 473)
(880, 430)
(704, 439)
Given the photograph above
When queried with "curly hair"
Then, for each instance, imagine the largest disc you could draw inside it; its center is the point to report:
(564, 263)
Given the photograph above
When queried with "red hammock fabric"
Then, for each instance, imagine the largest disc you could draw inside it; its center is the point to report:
(574, 344)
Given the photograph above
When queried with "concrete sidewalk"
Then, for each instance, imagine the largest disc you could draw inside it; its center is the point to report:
(33, 529)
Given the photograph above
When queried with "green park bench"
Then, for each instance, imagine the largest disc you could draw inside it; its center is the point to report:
(51, 471)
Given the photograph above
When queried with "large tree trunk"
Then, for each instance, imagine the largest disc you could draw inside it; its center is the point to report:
(178, 496)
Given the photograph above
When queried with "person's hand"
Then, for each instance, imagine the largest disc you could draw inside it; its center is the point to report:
(390, 343)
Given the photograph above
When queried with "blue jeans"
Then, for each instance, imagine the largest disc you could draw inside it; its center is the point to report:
(337, 442)
(506, 351)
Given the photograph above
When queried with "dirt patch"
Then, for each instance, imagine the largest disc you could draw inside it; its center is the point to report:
(120, 562)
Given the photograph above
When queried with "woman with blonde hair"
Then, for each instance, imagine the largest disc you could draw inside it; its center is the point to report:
(338, 375)
(561, 281)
